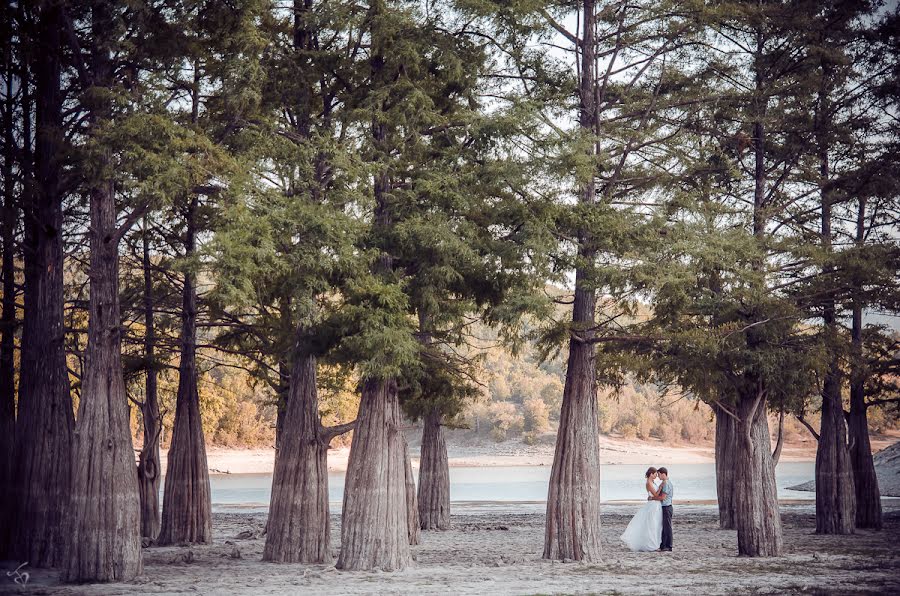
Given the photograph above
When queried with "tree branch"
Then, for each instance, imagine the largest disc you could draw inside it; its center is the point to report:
(882, 402)
(327, 433)
(779, 443)
(559, 28)
(811, 430)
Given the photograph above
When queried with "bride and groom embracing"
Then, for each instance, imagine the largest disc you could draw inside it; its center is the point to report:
(651, 527)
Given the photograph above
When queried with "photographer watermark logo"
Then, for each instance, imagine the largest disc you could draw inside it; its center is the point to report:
(19, 576)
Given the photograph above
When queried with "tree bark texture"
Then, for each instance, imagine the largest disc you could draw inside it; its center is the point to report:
(412, 506)
(8, 315)
(727, 435)
(865, 482)
(572, 528)
(187, 515)
(758, 520)
(434, 476)
(105, 540)
(299, 529)
(373, 527)
(45, 422)
(835, 494)
(149, 469)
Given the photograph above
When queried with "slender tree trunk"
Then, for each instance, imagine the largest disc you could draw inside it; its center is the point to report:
(865, 482)
(187, 515)
(299, 529)
(45, 421)
(373, 527)
(412, 505)
(149, 469)
(727, 436)
(434, 476)
(104, 542)
(755, 494)
(8, 315)
(573, 503)
(835, 495)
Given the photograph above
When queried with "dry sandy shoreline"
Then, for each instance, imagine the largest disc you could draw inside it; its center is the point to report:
(510, 453)
(499, 553)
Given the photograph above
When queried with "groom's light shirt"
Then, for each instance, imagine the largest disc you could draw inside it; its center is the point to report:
(667, 489)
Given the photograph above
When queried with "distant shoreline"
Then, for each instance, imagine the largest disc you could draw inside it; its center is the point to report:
(613, 451)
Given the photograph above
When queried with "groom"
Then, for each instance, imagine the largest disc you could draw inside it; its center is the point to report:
(665, 495)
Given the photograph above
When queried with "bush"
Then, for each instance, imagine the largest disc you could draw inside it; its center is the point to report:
(536, 415)
(506, 420)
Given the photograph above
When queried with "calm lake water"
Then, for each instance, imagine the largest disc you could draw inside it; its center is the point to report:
(479, 487)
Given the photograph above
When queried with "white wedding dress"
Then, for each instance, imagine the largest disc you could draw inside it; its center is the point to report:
(644, 531)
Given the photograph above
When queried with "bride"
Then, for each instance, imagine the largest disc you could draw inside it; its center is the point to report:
(644, 531)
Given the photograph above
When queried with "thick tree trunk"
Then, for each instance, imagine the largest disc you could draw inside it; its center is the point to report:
(865, 482)
(434, 476)
(299, 530)
(755, 494)
(187, 515)
(573, 502)
(373, 526)
(374, 519)
(727, 435)
(412, 506)
(149, 469)
(8, 315)
(572, 528)
(45, 422)
(105, 540)
(835, 495)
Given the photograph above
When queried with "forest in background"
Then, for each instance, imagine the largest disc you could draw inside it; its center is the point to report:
(520, 398)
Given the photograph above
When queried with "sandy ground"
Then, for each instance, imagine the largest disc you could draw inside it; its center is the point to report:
(499, 553)
(613, 450)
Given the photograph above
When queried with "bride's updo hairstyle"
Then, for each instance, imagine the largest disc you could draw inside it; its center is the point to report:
(650, 470)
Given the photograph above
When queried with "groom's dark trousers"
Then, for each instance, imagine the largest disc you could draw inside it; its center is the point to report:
(667, 527)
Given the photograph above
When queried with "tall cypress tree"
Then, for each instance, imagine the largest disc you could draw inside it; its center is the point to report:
(289, 250)
(45, 421)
